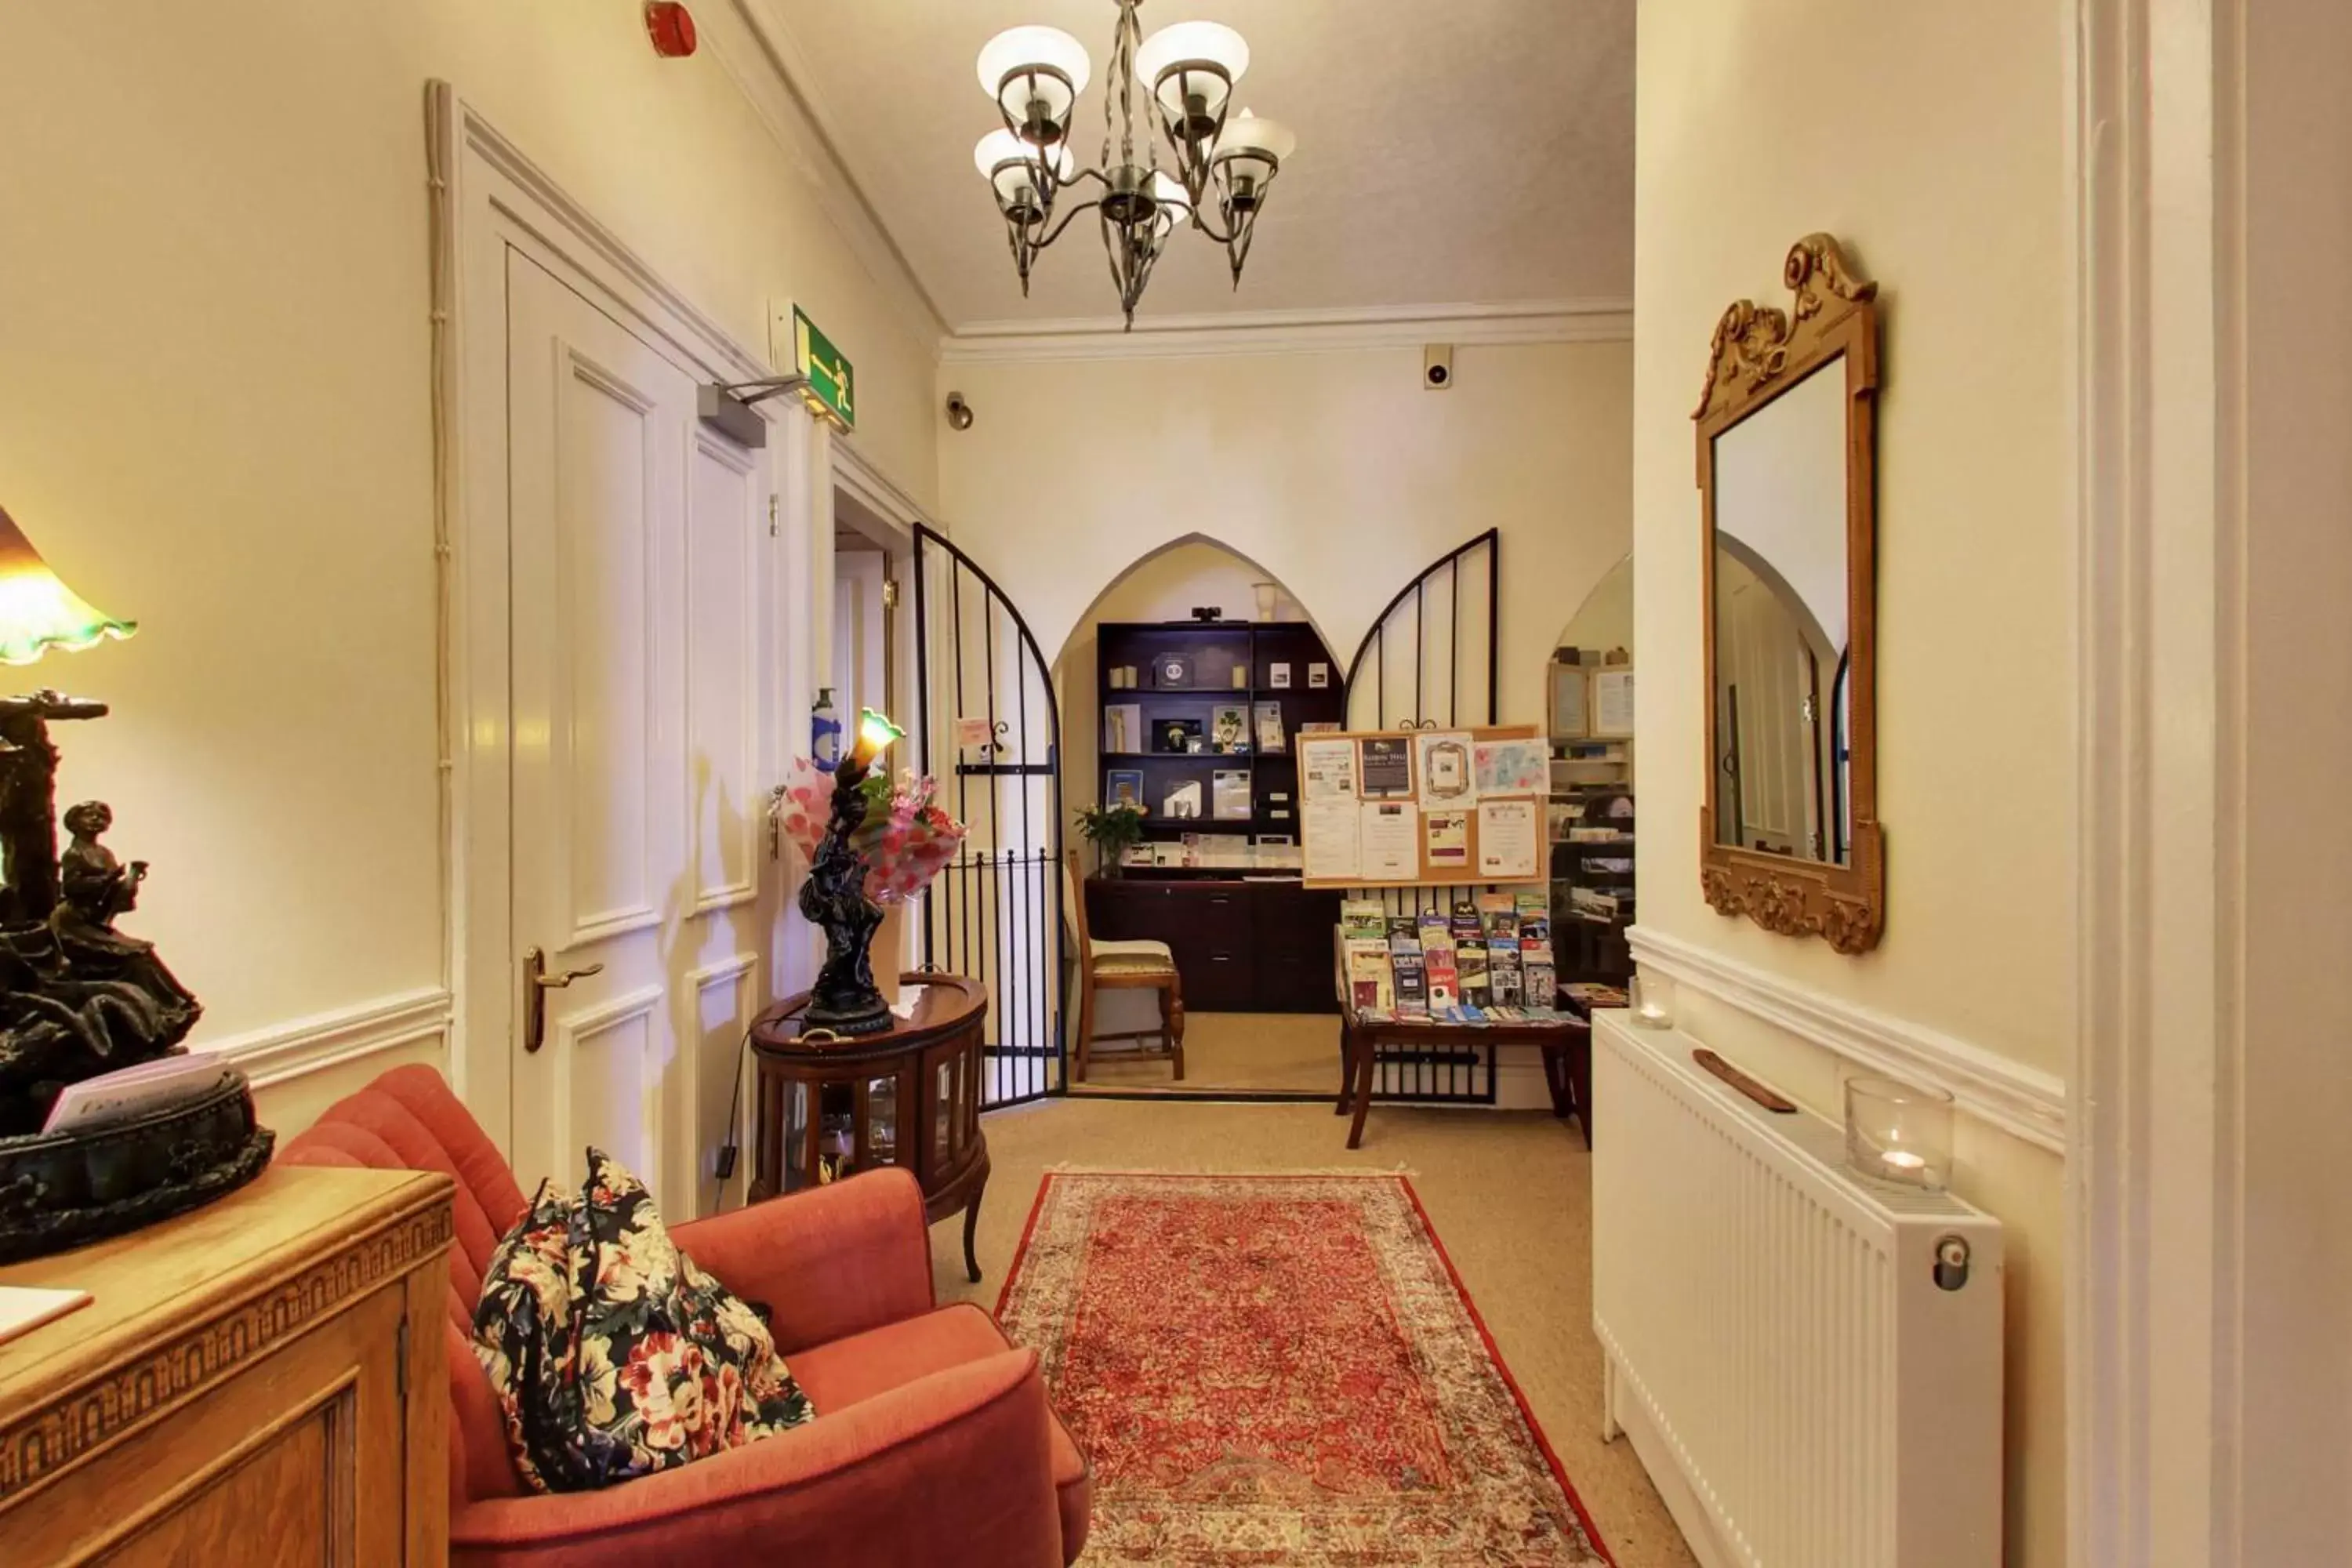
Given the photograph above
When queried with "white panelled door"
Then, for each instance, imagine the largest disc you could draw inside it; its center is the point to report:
(635, 564)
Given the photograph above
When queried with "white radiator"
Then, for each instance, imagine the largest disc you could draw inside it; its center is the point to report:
(1803, 1389)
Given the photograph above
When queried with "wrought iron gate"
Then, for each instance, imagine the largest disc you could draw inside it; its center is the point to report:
(996, 912)
(1431, 661)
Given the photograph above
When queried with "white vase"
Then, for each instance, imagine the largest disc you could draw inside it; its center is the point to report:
(890, 952)
(1269, 599)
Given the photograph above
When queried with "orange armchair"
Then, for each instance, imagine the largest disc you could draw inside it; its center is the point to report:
(933, 1441)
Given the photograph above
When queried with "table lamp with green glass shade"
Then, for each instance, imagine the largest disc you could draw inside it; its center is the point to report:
(78, 998)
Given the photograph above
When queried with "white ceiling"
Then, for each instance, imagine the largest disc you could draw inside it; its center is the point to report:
(1449, 152)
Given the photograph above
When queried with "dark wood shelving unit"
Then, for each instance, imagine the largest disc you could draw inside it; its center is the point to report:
(1244, 941)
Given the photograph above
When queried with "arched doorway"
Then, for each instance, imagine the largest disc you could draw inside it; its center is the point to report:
(1207, 753)
(1589, 719)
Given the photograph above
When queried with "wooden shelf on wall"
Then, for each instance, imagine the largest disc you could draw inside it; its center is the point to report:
(1234, 930)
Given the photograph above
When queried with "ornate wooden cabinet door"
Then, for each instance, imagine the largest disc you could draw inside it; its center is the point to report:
(260, 1381)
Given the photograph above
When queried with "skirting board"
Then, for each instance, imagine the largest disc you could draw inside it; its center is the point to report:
(2025, 1102)
(283, 1052)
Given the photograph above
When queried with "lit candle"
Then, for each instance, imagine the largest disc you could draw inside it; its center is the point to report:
(1903, 1160)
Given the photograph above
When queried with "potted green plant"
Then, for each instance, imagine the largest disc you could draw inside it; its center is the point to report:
(1110, 829)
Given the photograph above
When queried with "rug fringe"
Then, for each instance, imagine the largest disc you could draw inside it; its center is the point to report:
(1067, 1168)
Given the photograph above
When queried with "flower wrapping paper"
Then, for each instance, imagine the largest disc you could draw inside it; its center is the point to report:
(904, 841)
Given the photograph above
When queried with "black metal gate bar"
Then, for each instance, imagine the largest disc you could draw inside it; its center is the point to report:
(997, 912)
(1432, 1074)
(1450, 566)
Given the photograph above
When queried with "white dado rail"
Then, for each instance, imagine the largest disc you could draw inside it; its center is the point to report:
(323, 1040)
(2023, 1101)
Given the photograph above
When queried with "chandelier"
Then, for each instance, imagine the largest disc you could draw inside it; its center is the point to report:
(1224, 165)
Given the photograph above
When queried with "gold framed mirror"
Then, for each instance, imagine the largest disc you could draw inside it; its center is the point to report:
(1788, 834)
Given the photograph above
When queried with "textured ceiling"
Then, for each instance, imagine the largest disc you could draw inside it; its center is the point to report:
(1467, 152)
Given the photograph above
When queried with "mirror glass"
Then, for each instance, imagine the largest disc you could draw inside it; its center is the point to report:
(1781, 639)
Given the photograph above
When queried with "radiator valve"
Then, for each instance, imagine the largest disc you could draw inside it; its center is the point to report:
(1951, 1263)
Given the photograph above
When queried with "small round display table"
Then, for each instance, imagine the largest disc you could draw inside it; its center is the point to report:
(830, 1107)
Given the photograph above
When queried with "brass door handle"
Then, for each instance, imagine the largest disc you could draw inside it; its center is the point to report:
(536, 983)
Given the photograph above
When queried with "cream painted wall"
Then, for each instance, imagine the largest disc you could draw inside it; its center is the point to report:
(1757, 125)
(1605, 620)
(216, 418)
(1333, 470)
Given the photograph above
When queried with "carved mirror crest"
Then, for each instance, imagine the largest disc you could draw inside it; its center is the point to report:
(1788, 834)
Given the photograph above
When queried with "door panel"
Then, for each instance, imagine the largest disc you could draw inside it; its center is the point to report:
(615, 484)
(635, 550)
(722, 657)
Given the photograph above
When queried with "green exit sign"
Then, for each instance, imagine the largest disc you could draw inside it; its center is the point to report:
(827, 369)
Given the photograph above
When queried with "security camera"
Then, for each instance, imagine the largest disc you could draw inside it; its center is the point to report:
(958, 411)
(1437, 366)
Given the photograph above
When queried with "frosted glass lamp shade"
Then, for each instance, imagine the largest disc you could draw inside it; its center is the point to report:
(38, 612)
(1012, 167)
(1035, 75)
(1249, 152)
(1192, 99)
(1245, 133)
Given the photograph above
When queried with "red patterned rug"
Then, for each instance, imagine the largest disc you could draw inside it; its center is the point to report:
(1282, 1370)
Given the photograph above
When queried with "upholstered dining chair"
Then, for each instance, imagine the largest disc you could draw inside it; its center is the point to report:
(1123, 966)
(932, 1443)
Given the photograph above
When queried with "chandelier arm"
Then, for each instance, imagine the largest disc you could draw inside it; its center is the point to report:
(1067, 218)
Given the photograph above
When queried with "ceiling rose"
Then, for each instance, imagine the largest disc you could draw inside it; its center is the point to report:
(1224, 164)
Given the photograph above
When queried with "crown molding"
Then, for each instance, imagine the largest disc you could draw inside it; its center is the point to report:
(1291, 332)
(2025, 1102)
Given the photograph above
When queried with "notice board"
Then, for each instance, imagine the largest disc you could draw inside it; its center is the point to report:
(1387, 808)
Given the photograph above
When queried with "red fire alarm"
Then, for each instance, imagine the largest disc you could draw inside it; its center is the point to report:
(671, 28)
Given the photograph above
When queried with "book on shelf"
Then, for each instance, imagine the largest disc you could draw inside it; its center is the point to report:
(1370, 980)
(1442, 981)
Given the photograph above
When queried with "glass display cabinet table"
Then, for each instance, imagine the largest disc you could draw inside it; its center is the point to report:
(829, 1106)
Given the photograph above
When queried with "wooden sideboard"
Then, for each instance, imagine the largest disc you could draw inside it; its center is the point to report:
(259, 1382)
(1240, 946)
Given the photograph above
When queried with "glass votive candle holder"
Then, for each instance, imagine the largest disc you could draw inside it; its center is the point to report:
(1898, 1132)
(1652, 998)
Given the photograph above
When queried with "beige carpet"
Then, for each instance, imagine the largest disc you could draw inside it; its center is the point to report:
(1294, 1052)
(1508, 1191)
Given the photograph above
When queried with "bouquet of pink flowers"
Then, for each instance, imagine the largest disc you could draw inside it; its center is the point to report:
(904, 841)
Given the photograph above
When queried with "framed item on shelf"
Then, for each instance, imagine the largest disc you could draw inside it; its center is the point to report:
(1319, 676)
(1230, 795)
(1229, 726)
(1277, 677)
(1125, 787)
(1122, 727)
(1183, 802)
(1569, 720)
(1612, 702)
(1176, 735)
(1172, 669)
(1269, 734)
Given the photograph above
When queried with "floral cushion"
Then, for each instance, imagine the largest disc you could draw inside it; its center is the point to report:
(611, 1354)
